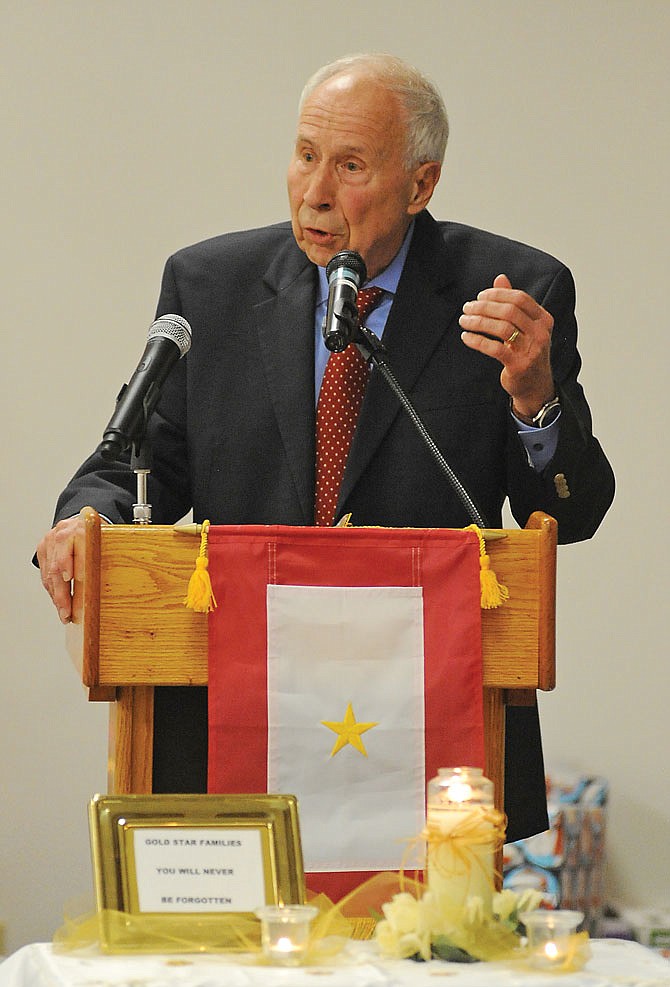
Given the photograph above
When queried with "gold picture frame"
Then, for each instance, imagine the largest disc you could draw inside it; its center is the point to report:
(185, 872)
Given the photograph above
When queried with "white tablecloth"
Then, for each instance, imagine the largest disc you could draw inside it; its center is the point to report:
(614, 963)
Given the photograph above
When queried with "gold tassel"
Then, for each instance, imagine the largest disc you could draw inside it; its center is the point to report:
(493, 593)
(200, 595)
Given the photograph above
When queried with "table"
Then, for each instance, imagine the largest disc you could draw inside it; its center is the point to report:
(614, 963)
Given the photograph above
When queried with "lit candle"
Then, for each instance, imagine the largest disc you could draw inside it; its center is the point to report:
(284, 945)
(460, 837)
(285, 932)
(551, 951)
(550, 936)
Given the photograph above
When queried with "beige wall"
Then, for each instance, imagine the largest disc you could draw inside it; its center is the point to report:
(132, 128)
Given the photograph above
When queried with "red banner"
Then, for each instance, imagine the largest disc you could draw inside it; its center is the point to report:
(441, 566)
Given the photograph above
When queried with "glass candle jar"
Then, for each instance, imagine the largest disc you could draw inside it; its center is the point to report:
(460, 836)
(285, 932)
(549, 935)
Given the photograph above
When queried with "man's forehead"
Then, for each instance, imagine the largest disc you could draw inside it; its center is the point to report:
(359, 118)
(315, 133)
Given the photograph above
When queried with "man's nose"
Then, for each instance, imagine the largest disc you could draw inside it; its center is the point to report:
(320, 191)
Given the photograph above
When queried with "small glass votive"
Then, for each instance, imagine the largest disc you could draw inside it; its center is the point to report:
(285, 932)
(549, 936)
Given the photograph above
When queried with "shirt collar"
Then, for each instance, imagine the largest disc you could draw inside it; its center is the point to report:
(388, 279)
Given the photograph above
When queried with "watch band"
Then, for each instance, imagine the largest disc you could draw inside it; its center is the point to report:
(547, 414)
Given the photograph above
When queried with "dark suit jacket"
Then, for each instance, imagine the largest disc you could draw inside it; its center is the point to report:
(233, 434)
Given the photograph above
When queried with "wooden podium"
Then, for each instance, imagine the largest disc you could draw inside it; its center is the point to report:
(131, 632)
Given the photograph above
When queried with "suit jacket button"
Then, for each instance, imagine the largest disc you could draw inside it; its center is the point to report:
(561, 485)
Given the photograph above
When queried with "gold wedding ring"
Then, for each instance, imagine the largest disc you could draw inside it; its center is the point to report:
(510, 340)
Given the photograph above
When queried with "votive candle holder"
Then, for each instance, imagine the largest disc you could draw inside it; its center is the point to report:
(285, 932)
(549, 933)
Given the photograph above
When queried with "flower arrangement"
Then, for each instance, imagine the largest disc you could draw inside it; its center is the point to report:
(425, 926)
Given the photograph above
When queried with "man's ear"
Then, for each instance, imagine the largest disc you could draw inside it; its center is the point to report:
(426, 177)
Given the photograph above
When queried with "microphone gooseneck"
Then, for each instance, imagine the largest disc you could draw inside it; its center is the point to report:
(373, 351)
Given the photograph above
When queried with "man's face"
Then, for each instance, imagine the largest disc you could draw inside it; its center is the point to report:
(348, 186)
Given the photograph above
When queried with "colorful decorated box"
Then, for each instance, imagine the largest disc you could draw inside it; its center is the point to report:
(566, 862)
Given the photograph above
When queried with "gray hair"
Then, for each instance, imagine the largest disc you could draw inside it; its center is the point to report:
(427, 124)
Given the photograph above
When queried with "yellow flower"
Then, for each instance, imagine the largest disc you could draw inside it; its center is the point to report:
(422, 926)
(403, 932)
(505, 903)
(402, 912)
(473, 912)
(401, 947)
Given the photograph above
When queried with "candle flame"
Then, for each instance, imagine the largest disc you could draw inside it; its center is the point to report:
(284, 944)
(459, 791)
(551, 950)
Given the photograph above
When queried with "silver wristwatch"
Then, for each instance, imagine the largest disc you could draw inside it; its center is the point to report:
(547, 414)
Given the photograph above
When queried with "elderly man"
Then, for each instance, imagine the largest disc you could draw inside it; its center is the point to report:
(479, 330)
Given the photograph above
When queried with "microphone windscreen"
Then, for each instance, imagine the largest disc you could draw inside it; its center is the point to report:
(175, 328)
(348, 259)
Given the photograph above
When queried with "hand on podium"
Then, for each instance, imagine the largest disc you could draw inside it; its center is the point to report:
(60, 554)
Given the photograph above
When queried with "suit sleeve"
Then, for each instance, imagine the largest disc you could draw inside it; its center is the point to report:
(577, 485)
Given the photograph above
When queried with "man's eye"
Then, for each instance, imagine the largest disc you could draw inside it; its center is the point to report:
(307, 156)
(351, 166)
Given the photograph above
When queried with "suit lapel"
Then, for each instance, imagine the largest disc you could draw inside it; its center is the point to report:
(424, 309)
(285, 326)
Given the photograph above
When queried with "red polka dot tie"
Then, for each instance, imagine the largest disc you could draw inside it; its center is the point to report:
(337, 410)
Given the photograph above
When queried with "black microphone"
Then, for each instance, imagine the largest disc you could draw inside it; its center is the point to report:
(346, 272)
(168, 340)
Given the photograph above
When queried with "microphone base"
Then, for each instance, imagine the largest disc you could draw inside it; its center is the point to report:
(141, 513)
(140, 463)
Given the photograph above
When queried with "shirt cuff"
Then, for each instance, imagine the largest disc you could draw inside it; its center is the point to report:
(539, 443)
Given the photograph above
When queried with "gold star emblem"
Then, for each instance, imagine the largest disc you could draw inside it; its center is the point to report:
(348, 732)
